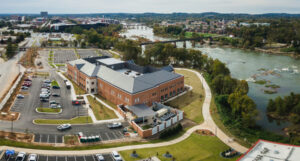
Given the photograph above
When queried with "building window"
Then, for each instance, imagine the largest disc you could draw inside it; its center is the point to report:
(119, 96)
(166, 96)
(162, 98)
(93, 83)
(126, 99)
(154, 94)
(137, 100)
(92, 90)
(171, 94)
(112, 92)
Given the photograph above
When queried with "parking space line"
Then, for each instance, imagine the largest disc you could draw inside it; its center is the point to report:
(107, 136)
(40, 137)
(48, 139)
(55, 136)
(84, 158)
(100, 137)
(122, 136)
(66, 158)
(93, 157)
(47, 157)
(115, 135)
(75, 158)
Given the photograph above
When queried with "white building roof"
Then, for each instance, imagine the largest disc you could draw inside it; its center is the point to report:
(110, 61)
(270, 151)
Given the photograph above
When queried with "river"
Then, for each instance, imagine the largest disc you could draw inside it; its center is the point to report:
(275, 69)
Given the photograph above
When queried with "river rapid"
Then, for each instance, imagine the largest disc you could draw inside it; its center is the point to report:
(248, 65)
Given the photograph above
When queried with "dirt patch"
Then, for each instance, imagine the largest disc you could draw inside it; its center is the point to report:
(71, 140)
(186, 123)
(22, 137)
(28, 59)
(204, 132)
(9, 116)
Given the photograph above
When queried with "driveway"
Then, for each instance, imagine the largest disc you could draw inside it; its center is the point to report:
(208, 124)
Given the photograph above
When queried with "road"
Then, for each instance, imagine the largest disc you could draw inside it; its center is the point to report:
(207, 124)
(10, 69)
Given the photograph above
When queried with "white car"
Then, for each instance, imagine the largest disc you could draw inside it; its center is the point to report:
(116, 156)
(114, 125)
(63, 127)
(21, 156)
(100, 157)
(20, 96)
(32, 157)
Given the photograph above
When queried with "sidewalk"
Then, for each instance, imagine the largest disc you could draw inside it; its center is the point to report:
(208, 124)
(91, 113)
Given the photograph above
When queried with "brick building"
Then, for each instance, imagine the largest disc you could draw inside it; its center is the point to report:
(124, 82)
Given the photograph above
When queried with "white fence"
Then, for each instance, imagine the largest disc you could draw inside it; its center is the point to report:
(11, 91)
(154, 130)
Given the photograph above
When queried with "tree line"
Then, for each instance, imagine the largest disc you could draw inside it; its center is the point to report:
(287, 108)
(280, 31)
(231, 93)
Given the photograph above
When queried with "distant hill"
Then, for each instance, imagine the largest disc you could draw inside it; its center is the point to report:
(173, 15)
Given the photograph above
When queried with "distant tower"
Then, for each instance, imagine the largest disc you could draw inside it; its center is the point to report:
(44, 14)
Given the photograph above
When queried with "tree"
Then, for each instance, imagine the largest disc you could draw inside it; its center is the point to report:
(243, 107)
(219, 68)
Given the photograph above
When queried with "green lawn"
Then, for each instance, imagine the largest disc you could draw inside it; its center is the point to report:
(54, 83)
(76, 120)
(191, 102)
(106, 101)
(42, 74)
(78, 90)
(194, 148)
(60, 65)
(100, 111)
(49, 110)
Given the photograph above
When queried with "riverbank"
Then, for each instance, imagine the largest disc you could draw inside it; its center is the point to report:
(274, 51)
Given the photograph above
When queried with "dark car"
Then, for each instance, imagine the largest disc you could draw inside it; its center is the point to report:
(55, 95)
(55, 87)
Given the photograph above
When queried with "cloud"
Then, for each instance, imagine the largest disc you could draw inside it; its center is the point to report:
(140, 6)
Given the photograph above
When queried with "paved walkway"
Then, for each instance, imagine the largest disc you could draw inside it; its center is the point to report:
(208, 125)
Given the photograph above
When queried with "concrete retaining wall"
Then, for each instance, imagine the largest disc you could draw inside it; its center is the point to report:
(11, 91)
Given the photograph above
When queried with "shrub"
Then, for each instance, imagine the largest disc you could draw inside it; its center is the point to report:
(171, 131)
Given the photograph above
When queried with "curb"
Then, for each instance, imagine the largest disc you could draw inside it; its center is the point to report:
(50, 113)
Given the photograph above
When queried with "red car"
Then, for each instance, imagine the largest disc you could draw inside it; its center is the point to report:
(78, 102)
(27, 84)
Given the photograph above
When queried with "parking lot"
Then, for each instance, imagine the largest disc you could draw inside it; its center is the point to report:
(85, 53)
(107, 157)
(48, 138)
(63, 56)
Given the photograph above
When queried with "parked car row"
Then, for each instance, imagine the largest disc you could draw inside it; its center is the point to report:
(46, 93)
(34, 157)
(25, 86)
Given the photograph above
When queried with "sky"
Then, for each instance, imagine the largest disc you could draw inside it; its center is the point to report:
(142, 6)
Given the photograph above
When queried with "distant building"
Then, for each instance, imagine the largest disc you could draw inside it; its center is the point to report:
(44, 14)
(271, 151)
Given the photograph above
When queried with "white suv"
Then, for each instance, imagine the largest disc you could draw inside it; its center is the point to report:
(21, 156)
(116, 156)
(32, 157)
